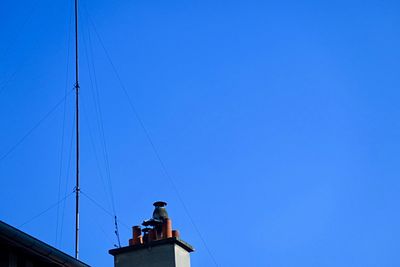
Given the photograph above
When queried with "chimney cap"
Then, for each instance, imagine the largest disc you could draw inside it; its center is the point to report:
(160, 204)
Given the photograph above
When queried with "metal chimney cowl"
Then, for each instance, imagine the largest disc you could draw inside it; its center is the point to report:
(160, 212)
(156, 245)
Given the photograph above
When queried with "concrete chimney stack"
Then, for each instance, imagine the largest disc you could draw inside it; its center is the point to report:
(156, 245)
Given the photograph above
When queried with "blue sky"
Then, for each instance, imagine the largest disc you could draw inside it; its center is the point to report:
(278, 122)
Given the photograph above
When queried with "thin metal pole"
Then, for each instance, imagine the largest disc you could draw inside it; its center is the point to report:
(77, 189)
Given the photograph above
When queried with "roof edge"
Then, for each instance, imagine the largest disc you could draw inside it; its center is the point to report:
(38, 247)
(171, 240)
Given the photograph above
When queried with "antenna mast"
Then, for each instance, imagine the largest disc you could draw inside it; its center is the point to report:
(77, 189)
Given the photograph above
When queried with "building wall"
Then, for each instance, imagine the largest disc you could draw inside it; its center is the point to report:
(182, 257)
(166, 255)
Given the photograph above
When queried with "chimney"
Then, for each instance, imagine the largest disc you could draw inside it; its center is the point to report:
(156, 245)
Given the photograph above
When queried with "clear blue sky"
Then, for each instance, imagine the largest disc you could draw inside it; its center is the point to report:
(278, 121)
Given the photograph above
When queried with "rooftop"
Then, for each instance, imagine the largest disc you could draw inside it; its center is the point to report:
(16, 238)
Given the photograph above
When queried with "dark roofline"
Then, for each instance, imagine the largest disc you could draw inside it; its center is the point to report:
(34, 245)
(171, 240)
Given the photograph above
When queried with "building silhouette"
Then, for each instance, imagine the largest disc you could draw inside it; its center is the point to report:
(18, 249)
